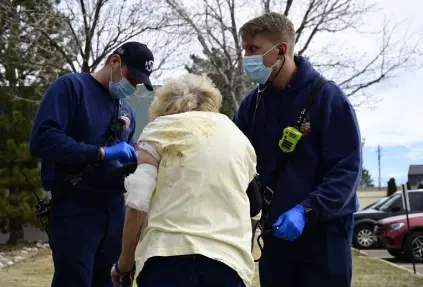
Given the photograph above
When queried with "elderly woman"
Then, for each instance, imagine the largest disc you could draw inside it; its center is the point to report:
(187, 198)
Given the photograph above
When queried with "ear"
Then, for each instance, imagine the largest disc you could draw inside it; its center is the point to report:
(114, 59)
(283, 49)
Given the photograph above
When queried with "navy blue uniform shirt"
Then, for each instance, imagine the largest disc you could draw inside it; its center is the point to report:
(324, 171)
(74, 115)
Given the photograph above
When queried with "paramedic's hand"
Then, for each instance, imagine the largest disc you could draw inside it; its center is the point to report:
(122, 151)
(290, 224)
(120, 279)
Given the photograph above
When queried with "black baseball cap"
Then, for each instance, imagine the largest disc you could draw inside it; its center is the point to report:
(139, 60)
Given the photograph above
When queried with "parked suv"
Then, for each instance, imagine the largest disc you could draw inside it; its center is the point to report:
(376, 203)
(365, 220)
(393, 232)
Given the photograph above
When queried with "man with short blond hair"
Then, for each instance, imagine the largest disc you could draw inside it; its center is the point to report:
(306, 137)
(273, 25)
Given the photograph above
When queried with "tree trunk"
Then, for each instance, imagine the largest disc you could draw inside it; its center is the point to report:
(16, 231)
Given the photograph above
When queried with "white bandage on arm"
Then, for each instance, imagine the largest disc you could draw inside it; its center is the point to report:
(149, 149)
(140, 187)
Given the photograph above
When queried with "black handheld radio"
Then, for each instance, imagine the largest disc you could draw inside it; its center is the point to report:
(42, 209)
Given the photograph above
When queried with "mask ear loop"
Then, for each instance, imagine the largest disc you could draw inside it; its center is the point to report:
(111, 74)
(120, 66)
(121, 73)
(277, 60)
(271, 49)
(280, 69)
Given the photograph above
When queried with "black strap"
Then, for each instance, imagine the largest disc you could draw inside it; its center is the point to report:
(115, 128)
(273, 180)
(254, 196)
(269, 189)
(322, 81)
(260, 93)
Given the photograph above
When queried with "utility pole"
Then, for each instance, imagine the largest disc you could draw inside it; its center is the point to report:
(378, 159)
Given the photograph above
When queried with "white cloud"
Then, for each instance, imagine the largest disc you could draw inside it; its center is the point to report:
(415, 154)
(396, 118)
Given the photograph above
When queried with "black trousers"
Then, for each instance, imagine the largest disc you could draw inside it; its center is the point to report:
(187, 271)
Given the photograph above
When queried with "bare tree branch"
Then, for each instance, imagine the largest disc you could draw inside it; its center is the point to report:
(288, 7)
(98, 27)
(384, 64)
(266, 5)
(25, 57)
(214, 24)
(329, 16)
(215, 27)
(355, 73)
(92, 29)
(16, 98)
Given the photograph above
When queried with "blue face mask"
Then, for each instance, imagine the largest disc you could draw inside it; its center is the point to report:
(121, 89)
(255, 68)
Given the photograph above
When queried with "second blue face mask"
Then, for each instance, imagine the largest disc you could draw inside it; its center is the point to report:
(255, 68)
(121, 89)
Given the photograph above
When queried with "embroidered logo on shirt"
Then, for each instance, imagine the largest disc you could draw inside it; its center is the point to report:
(127, 122)
(126, 117)
(305, 127)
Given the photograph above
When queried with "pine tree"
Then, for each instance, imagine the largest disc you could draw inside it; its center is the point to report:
(366, 179)
(201, 66)
(392, 187)
(16, 200)
(27, 65)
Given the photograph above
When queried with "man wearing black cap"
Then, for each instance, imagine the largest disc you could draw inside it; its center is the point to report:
(83, 132)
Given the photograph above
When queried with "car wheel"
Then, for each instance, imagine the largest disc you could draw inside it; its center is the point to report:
(396, 253)
(364, 237)
(413, 247)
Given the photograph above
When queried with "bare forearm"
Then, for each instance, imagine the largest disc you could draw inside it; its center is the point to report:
(131, 235)
(138, 200)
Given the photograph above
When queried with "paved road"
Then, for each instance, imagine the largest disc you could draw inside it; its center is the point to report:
(386, 256)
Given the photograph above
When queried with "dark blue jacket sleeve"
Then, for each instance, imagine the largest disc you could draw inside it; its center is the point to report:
(240, 118)
(341, 150)
(243, 117)
(48, 138)
(131, 140)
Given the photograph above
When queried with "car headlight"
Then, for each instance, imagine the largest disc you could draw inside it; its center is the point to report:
(396, 226)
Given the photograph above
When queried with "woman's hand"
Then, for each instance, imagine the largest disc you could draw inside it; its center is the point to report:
(123, 273)
(125, 266)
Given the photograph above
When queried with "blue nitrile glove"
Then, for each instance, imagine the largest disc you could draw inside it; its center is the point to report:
(290, 224)
(122, 151)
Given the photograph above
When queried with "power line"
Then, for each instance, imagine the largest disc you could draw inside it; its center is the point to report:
(378, 159)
